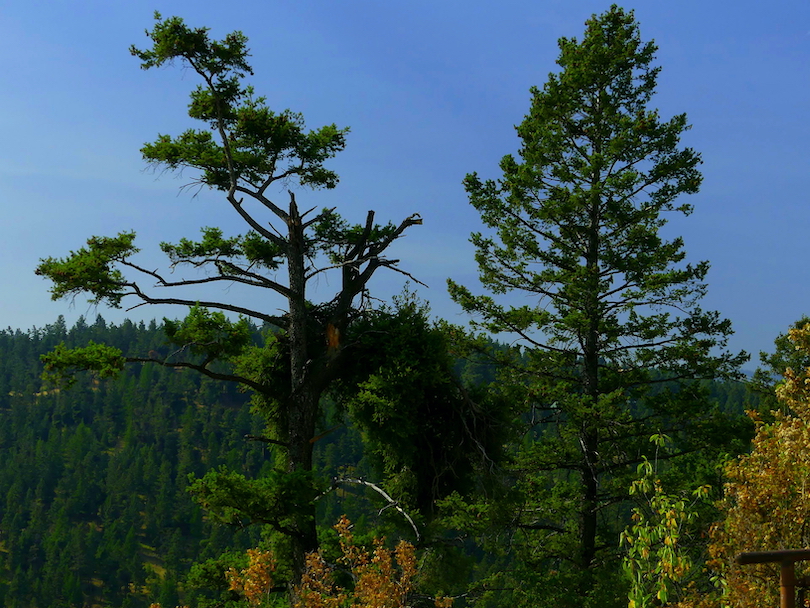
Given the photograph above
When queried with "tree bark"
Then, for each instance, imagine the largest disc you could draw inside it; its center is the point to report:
(304, 398)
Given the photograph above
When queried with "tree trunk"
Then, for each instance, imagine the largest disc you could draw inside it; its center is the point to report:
(589, 434)
(304, 398)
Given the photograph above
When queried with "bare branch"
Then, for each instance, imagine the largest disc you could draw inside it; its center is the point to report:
(309, 223)
(267, 440)
(259, 196)
(409, 221)
(237, 204)
(242, 276)
(264, 281)
(257, 386)
(407, 274)
(335, 266)
(278, 321)
(361, 244)
(338, 481)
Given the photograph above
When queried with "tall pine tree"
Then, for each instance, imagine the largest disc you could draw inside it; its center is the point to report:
(612, 310)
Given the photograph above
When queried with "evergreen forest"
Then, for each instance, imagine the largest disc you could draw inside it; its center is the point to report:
(586, 440)
(95, 479)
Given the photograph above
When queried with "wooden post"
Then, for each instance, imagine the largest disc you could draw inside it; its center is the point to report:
(787, 577)
(787, 585)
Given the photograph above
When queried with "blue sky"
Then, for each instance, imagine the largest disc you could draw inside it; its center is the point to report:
(431, 91)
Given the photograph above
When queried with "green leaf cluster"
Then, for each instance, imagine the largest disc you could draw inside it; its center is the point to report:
(533, 443)
(277, 499)
(91, 269)
(610, 341)
(62, 363)
(247, 142)
(93, 502)
(213, 247)
(657, 560)
(338, 239)
(427, 433)
(210, 334)
(774, 365)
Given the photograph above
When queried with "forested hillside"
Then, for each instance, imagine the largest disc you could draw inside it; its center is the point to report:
(94, 478)
(308, 444)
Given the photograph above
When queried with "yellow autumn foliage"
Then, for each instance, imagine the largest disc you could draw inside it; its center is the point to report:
(254, 582)
(382, 578)
(767, 496)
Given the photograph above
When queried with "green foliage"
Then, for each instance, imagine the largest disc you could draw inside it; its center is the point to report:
(93, 480)
(210, 334)
(240, 580)
(774, 365)
(578, 223)
(267, 363)
(241, 150)
(764, 505)
(208, 583)
(261, 144)
(254, 249)
(62, 363)
(278, 499)
(612, 342)
(337, 238)
(211, 245)
(427, 433)
(173, 39)
(91, 269)
(611, 350)
(656, 562)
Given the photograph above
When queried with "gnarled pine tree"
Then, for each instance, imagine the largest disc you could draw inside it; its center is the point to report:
(575, 229)
(245, 152)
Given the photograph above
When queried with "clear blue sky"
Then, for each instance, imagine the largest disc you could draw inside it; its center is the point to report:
(431, 91)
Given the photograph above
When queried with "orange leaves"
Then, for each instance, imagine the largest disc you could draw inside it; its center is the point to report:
(317, 589)
(382, 578)
(255, 581)
(361, 578)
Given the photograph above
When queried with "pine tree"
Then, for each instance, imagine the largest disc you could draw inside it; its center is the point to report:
(245, 152)
(612, 311)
